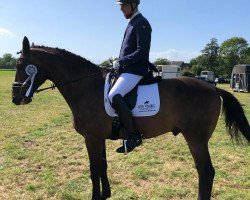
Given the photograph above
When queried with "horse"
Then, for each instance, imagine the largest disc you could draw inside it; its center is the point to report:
(81, 83)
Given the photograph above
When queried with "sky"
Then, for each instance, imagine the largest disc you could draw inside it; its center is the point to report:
(94, 29)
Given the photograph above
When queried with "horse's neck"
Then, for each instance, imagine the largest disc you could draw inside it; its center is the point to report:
(81, 91)
(86, 93)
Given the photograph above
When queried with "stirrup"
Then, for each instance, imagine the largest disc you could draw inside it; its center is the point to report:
(125, 147)
(133, 144)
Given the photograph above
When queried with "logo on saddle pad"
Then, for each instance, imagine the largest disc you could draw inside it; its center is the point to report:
(146, 107)
(147, 103)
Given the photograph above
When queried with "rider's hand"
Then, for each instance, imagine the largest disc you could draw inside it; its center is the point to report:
(116, 65)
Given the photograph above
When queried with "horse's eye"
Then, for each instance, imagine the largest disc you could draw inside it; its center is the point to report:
(19, 63)
(20, 60)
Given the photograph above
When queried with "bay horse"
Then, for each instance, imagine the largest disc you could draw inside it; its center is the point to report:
(188, 106)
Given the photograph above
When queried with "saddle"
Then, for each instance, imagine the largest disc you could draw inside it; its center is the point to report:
(143, 100)
(131, 97)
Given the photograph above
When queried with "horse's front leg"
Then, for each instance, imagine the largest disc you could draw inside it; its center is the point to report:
(95, 149)
(106, 193)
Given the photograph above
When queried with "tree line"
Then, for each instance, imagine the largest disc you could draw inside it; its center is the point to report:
(222, 58)
(7, 62)
(214, 57)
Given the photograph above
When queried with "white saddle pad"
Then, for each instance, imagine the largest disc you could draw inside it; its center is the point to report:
(147, 104)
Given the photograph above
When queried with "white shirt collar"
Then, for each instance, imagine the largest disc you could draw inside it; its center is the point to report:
(136, 13)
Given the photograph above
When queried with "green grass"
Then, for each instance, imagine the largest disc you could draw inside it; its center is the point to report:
(42, 157)
(7, 73)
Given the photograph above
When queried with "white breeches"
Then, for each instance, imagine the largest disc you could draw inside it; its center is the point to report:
(125, 83)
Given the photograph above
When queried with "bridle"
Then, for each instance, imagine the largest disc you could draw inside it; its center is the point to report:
(31, 71)
(53, 86)
(24, 85)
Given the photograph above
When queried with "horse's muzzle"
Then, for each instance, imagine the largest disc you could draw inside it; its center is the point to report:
(23, 101)
(18, 94)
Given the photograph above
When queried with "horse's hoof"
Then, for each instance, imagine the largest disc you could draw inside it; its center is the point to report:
(106, 196)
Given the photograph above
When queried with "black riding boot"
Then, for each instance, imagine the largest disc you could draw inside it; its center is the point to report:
(133, 138)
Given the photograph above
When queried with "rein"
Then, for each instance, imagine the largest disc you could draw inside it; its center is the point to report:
(53, 86)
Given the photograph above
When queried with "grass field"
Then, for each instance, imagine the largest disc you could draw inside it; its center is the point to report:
(42, 157)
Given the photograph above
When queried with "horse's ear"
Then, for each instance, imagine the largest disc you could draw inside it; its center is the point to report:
(26, 47)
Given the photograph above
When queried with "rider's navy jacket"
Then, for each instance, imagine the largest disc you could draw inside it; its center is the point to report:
(134, 53)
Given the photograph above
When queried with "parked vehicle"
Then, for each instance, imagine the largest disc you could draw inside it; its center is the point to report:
(169, 71)
(240, 78)
(208, 74)
(221, 80)
(206, 80)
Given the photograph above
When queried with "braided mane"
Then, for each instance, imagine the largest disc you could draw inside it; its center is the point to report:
(65, 55)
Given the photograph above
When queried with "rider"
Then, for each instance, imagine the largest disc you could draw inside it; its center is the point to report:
(133, 65)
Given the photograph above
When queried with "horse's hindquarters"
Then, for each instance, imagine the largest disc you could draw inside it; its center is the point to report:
(187, 106)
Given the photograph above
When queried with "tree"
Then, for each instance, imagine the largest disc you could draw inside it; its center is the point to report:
(108, 63)
(210, 55)
(246, 58)
(1, 63)
(105, 63)
(208, 60)
(7, 61)
(7, 57)
(12, 63)
(197, 64)
(162, 61)
(232, 51)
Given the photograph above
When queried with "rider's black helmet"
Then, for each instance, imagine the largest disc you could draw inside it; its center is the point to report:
(127, 1)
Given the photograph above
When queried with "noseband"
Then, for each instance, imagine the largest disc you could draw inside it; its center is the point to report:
(31, 71)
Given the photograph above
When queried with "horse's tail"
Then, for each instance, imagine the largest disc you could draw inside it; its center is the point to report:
(235, 117)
